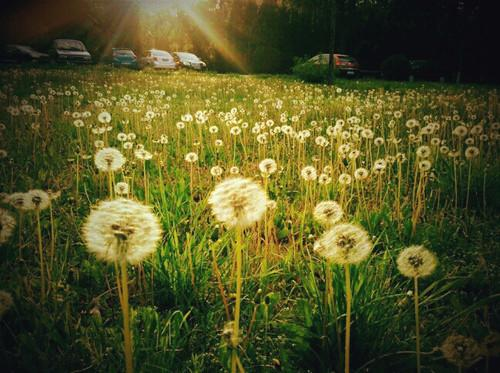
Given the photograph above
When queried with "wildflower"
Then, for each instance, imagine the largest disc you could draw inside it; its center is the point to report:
(424, 165)
(20, 201)
(324, 179)
(361, 174)
(345, 179)
(460, 351)
(345, 244)
(122, 188)
(460, 131)
(309, 173)
(234, 170)
(39, 199)
(191, 157)
(238, 202)
(216, 171)
(109, 159)
(328, 213)
(143, 155)
(423, 151)
(121, 229)
(379, 141)
(268, 166)
(104, 117)
(7, 225)
(471, 152)
(416, 261)
(5, 302)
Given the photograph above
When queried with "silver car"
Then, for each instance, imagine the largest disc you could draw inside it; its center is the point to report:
(70, 51)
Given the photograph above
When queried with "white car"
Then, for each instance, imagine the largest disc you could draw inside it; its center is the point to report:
(159, 59)
(190, 60)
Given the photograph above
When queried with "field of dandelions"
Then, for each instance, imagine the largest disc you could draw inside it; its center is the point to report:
(194, 222)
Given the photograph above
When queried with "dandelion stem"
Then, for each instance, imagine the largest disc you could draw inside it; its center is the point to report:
(417, 324)
(127, 339)
(235, 336)
(348, 316)
(40, 253)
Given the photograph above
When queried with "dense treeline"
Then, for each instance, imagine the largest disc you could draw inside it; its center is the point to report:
(266, 35)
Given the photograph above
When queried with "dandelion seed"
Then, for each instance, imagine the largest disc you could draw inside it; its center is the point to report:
(416, 261)
(20, 201)
(361, 174)
(423, 151)
(328, 213)
(109, 159)
(216, 171)
(122, 188)
(460, 351)
(191, 157)
(104, 117)
(345, 179)
(345, 244)
(268, 166)
(39, 199)
(424, 165)
(121, 229)
(238, 202)
(7, 225)
(309, 173)
(471, 152)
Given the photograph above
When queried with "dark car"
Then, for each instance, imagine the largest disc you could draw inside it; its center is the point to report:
(17, 54)
(344, 64)
(70, 51)
(124, 57)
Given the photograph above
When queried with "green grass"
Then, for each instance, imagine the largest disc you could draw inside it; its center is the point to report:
(287, 321)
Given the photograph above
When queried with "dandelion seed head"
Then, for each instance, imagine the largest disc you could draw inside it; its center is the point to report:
(39, 198)
(345, 244)
(460, 350)
(238, 202)
(416, 261)
(7, 225)
(191, 157)
(328, 213)
(20, 201)
(121, 229)
(122, 188)
(109, 159)
(309, 173)
(268, 166)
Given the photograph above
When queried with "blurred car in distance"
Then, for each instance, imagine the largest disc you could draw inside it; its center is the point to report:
(159, 59)
(15, 54)
(190, 60)
(124, 57)
(70, 51)
(344, 64)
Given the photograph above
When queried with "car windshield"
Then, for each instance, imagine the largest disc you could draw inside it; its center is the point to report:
(123, 52)
(188, 56)
(70, 45)
(161, 54)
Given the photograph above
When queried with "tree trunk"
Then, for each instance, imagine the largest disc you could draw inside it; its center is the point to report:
(333, 23)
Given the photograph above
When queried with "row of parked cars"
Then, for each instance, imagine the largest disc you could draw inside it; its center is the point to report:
(74, 51)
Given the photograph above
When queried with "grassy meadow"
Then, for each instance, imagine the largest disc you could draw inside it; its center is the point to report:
(407, 163)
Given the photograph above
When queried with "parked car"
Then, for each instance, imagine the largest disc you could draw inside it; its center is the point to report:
(70, 51)
(190, 60)
(159, 59)
(344, 64)
(124, 57)
(15, 53)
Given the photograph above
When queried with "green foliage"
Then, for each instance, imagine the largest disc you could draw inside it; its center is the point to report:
(309, 72)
